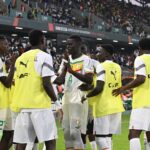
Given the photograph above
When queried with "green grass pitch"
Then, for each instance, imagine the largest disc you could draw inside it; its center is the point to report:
(120, 142)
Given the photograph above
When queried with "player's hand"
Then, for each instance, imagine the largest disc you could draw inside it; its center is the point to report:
(60, 114)
(69, 69)
(85, 87)
(84, 98)
(13, 59)
(66, 55)
(118, 91)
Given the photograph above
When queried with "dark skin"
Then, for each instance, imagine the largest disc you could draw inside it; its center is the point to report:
(6, 141)
(7, 80)
(139, 80)
(50, 145)
(75, 51)
(61, 77)
(101, 56)
(73, 48)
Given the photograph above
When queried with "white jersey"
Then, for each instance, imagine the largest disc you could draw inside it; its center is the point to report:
(139, 66)
(82, 65)
(2, 72)
(95, 63)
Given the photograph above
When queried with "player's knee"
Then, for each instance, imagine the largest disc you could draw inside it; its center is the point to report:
(148, 136)
(134, 134)
(75, 133)
(7, 135)
(102, 143)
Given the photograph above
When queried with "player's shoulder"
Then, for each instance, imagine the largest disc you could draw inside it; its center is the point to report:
(139, 60)
(85, 58)
(43, 55)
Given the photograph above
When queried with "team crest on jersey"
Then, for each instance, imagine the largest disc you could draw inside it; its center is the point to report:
(77, 66)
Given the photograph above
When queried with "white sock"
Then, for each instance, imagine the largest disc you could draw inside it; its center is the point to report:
(29, 146)
(14, 146)
(84, 146)
(147, 146)
(109, 140)
(44, 147)
(93, 145)
(35, 146)
(135, 144)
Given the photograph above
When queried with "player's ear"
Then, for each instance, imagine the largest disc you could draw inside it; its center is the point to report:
(42, 40)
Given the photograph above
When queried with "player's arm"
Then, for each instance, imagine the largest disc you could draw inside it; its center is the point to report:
(61, 77)
(49, 88)
(47, 72)
(7, 80)
(140, 79)
(140, 72)
(98, 89)
(99, 84)
(87, 77)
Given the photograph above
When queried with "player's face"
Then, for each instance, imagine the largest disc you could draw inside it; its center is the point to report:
(71, 46)
(44, 45)
(101, 55)
(3, 46)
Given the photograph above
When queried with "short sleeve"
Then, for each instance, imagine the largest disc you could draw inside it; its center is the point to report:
(2, 73)
(88, 66)
(47, 66)
(139, 67)
(44, 64)
(100, 72)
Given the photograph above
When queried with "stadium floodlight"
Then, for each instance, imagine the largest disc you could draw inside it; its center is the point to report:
(26, 37)
(19, 28)
(130, 43)
(122, 48)
(99, 39)
(115, 41)
(44, 31)
(14, 35)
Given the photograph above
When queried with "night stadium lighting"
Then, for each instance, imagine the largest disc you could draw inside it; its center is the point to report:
(14, 35)
(26, 37)
(99, 39)
(115, 41)
(130, 43)
(19, 28)
(44, 31)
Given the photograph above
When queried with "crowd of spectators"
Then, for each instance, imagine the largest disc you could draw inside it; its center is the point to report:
(19, 45)
(117, 14)
(131, 18)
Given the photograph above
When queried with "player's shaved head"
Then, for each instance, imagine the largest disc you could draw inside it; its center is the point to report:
(144, 44)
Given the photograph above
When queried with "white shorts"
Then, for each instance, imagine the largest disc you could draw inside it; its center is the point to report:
(110, 124)
(40, 124)
(140, 119)
(75, 112)
(6, 120)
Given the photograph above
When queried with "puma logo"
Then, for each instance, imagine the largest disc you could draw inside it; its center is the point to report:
(23, 75)
(22, 63)
(114, 74)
